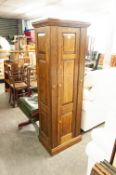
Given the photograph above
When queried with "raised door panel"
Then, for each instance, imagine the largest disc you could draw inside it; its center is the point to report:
(69, 43)
(68, 40)
(68, 74)
(43, 47)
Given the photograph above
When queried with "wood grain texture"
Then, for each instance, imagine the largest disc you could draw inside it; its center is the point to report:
(60, 58)
(68, 75)
(43, 45)
(67, 78)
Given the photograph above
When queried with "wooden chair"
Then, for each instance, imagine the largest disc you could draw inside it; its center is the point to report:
(29, 105)
(19, 83)
(33, 78)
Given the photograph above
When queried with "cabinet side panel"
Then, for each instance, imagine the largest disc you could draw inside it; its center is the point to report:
(43, 85)
(43, 53)
(83, 45)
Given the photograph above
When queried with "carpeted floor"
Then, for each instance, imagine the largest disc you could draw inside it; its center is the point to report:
(21, 153)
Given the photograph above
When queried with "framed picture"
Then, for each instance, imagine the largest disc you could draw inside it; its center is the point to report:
(113, 156)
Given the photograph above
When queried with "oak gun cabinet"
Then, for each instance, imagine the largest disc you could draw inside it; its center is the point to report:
(60, 52)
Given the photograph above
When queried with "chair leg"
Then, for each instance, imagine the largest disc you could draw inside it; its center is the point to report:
(14, 98)
(10, 96)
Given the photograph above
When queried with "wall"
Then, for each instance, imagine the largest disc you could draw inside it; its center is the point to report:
(101, 29)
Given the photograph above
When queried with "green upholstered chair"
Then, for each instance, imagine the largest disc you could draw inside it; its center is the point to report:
(29, 106)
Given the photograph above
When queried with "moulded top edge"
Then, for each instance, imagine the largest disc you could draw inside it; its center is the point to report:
(60, 22)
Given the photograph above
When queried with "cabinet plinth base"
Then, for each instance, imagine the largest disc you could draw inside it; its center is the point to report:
(59, 148)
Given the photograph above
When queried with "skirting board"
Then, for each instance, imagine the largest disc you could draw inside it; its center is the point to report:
(61, 147)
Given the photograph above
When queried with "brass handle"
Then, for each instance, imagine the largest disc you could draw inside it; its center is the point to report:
(60, 85)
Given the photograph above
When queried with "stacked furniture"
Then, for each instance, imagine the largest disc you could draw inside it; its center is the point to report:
(60, 51)
(106, 167)
(18, 82)
(103, 168)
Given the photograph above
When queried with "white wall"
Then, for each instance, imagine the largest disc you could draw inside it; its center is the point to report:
(101, 29)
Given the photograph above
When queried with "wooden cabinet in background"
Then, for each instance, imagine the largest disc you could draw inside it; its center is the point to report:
(61, 46)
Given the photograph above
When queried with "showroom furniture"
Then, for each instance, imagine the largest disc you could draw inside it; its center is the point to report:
(19, 82)
(99, 92)
(61, 49)
(32, 74)
(29, 106)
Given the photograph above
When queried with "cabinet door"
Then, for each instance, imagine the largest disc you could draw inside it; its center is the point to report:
(68, 61)
(43, 46)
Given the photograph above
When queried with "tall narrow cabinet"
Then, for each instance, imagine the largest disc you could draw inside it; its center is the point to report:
(60, 52)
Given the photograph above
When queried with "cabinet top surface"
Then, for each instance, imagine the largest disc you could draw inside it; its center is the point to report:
(60, 22)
